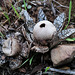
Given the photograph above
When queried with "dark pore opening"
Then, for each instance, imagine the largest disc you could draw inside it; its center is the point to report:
(42, 25)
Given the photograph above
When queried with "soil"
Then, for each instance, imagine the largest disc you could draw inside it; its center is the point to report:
(41, 60)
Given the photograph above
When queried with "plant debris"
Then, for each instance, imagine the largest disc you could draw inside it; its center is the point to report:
(35, 30)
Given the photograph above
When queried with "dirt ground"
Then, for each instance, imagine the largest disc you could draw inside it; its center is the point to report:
(40, 61)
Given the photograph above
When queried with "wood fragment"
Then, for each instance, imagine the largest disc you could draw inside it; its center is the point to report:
(60, 4)
(60, 71)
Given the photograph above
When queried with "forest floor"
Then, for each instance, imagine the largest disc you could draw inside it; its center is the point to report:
(35, 63)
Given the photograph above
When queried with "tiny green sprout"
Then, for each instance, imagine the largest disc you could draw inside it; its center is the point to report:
(70, 7)
(7, 17)
(47, 68)
(23, 63)
(70, 39)
(25, 4)
(31, 60)
(0, 8)
(29, 7)
(73, 39)
(27, 1)
(16, 11)
(1, 35)
(19, 8)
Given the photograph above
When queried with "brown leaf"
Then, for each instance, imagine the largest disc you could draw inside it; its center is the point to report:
(22, 70)
(38, 68)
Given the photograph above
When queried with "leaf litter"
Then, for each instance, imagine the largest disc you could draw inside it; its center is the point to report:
(29, 44)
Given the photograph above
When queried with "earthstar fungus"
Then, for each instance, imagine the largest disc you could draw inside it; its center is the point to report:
(11, 47)
(44, 30)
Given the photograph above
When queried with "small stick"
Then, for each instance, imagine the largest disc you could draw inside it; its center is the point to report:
(5, 22)
(60, 4)
(53, 9)
(44, 2)
(60, 71)
(20, 26)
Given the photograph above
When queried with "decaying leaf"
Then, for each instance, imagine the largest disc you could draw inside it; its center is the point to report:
(38, 68)
(2, 56)
(15, 63)
(41, 49)
(25, 49)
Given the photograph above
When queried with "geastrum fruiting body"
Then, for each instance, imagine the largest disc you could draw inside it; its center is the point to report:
(44, 30)
(52, 32)
(11, 47)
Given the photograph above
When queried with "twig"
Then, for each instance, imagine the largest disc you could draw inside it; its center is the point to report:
(32, 2)
(2, 24)
(60, 71)
(60, 4)
(35, 3)
(20, 26)
(53, 9)
(57, 10)
(44, 2)
(5, 22)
